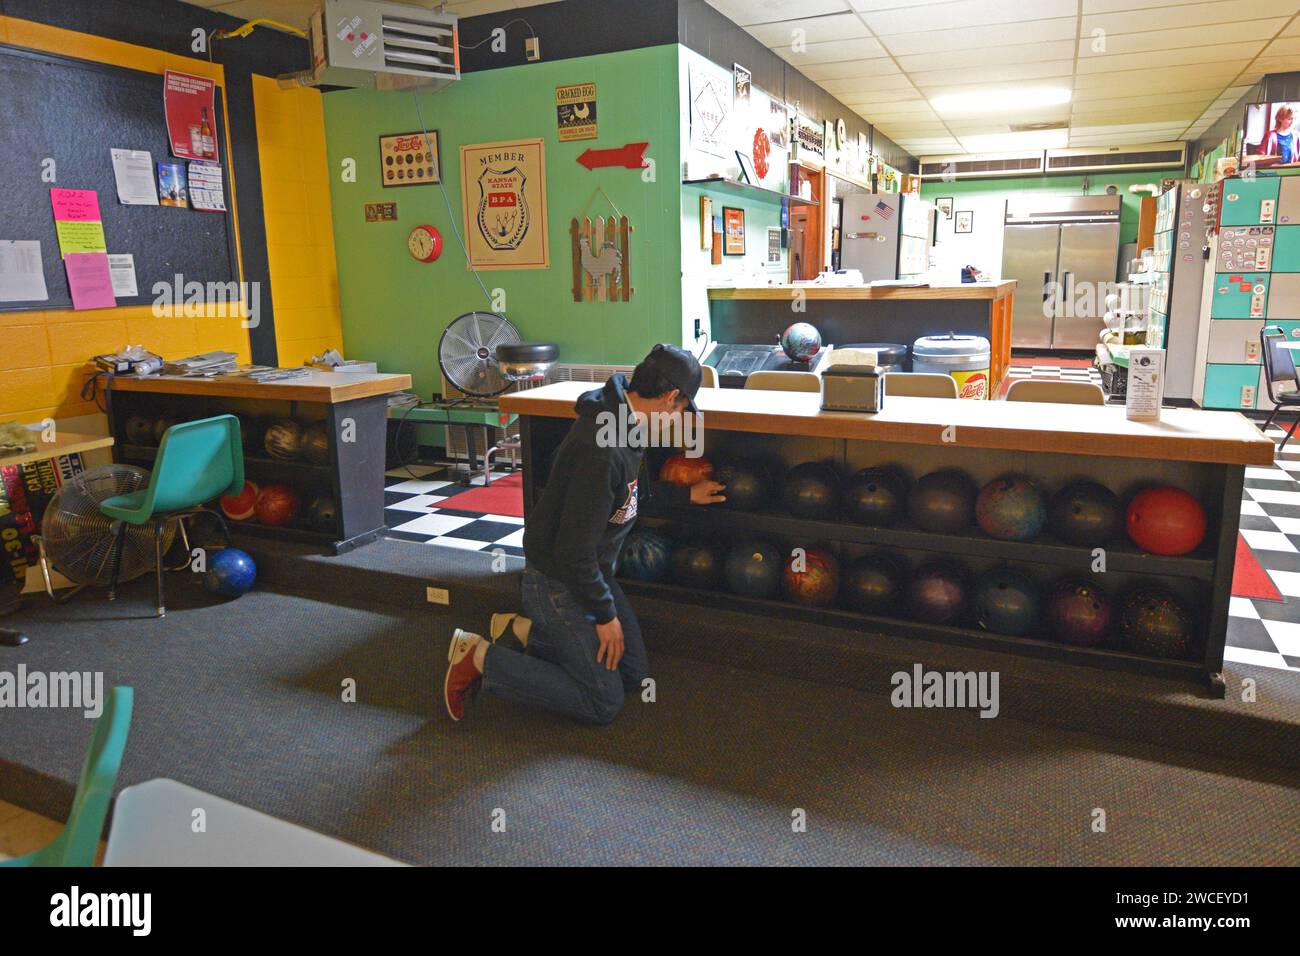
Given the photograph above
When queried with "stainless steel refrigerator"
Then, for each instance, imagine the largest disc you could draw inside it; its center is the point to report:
(886, 235)
(1064, 251)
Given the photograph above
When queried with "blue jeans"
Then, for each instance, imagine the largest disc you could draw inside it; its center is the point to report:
(560, 671)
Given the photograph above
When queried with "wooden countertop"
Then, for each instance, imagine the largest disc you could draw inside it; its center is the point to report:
(325, 387)
(1183, 434)
(65, 443)
(783, 292)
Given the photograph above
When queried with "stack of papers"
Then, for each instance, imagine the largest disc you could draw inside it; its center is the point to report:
(267, 374)
(205, 365)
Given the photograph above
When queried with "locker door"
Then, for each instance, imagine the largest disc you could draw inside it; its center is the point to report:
(1286, 249)
(1231, 386)
(1239, 295)
(1284, 295)
(1234, 342)
(1288, 201)
(1248, 202)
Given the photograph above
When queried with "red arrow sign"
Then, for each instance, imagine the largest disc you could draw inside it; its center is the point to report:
(631, 156)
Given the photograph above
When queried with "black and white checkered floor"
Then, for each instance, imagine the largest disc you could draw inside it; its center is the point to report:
(1022, 368)
(422, 505)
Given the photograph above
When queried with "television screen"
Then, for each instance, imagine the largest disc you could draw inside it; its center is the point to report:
(1269, 136)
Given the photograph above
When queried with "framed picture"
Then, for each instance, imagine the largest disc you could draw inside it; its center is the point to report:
(733, 231)
(944, 205)
(503, 200)
(965, 221)
(409, 159)
(747, 171)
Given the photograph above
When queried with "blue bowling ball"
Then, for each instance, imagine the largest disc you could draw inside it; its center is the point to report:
(646, 555)
(231, 572)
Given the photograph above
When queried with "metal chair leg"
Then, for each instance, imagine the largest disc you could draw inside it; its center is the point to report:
(1289, 434)
(119, 543)
(158, 533)
(1268, 421)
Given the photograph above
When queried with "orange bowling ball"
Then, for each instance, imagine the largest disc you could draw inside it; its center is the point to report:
(1166, 520)
(684, 471)
(240, 507)
(277, 505)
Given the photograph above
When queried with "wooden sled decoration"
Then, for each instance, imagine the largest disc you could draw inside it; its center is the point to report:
(601, 266)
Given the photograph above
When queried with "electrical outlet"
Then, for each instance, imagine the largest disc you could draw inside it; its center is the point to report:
(697, 330)
(437, 596)
(1252, 351)
(1248, 396)
(533, 49)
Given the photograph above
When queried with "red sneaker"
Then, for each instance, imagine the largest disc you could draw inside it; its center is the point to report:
(463, 677)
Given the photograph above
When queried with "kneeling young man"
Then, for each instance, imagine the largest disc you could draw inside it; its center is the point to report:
(582, 642)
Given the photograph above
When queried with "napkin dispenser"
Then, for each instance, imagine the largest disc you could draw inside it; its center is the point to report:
(853, 388)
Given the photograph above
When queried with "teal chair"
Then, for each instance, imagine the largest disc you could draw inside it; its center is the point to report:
(197, 461)
(78, 842)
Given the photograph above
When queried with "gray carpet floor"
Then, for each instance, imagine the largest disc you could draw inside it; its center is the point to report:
(244, 700)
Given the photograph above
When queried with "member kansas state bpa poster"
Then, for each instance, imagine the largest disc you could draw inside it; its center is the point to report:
(503, 190)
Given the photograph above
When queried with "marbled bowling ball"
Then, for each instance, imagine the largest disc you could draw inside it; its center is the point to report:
(1154, 622)
(283, 439)
(811, 576)
(645, 556)
(316, 443)
(1011, 507)
(938, 593)
(801, 342)
(1006, 602)
(942, 502)
(1079, 613)
(753, 569)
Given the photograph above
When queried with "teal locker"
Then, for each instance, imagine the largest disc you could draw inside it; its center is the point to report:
(1248, 202)
(1286, 249)
(1291, 329)
(1230, 386)
(1236, 296)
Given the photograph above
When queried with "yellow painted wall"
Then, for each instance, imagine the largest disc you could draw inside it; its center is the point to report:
(299, 227)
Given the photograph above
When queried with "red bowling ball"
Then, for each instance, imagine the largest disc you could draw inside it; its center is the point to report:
(1166, 520)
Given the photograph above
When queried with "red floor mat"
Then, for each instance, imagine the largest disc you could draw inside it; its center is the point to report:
(1249, 579)
(505, 496)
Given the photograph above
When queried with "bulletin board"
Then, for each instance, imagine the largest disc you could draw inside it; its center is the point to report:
(75, 112)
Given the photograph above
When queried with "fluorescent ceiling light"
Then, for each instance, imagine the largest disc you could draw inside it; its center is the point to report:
(1001, 100)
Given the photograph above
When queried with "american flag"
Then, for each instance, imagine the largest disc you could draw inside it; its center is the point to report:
(885, 210)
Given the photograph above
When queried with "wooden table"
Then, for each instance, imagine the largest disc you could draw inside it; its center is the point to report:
(854, 314)
(353, 407)
(1204, 452)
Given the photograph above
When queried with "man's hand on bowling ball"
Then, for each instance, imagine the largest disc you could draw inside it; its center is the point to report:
(706, 492)
(610, 635)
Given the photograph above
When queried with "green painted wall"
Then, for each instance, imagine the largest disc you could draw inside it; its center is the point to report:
(1072, 185)
(394, 309)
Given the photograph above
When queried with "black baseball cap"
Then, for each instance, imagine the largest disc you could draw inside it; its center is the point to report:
(680, 369)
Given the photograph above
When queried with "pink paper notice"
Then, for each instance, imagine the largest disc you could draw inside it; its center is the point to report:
(89, 280)
(76, 205)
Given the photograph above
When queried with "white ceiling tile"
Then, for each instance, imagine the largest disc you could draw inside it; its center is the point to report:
(1204, 97)
(1239, 53)
(1148, 41)
(838, 26)
(1015, 53)
(831, 51)
(1274, 64)
(991, 73)
(747, 12)
(964, 14)
(1190, 14)
(880, 86)
(986, 38)
(880, 66)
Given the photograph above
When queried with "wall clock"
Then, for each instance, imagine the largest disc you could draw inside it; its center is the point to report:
(424, 243)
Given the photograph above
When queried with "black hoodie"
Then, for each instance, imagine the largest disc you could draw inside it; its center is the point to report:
(579, 522)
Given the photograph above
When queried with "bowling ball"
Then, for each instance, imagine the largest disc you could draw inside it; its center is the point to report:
(1079, 613)
(1166, 520)
(240, 507)
(749, 483)
(645, 555)
(1155, 622)
(1011, 507)
(283, 439)
(801, 342)
(316, 443)
(277, 505)
(1084, 514)
(942, 502)
(684, 471)
(1006, 602)
(811, 490)
(323, 514)
(753, 568)
(160, 426)
(874, 584)
(876, 496)
(139, 430)
(937, 593)
(698, 564)
(231, 572)
(810, 576)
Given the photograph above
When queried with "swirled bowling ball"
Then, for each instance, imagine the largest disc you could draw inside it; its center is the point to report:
(240, 506)
(139, 430)
(684, 471)
(753, 569)
(1166, 520)
(1084, 514)
(801, 341)
(875, 584)
(1011, 507)
(1006, 602)
(811, 490)
(811, 576)
(316, 443)
(937, 593)
(283, 439)
(698, 564)
(942, 502)
(277, 505)
(231, 572)
(1154, 622)
(748, 484)
(323, 514)
(645, 555)
(1079, 613)
(876, 496)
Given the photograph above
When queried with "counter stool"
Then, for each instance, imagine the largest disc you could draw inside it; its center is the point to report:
(920, 384)
(1061, 393)
(784, 381)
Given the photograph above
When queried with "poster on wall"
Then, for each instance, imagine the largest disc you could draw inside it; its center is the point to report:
(733, 224)
(710, 107)
(778, 124)
(187, 104)
(742, 82)
(503, 194)
(575, 111)
(409, 159)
